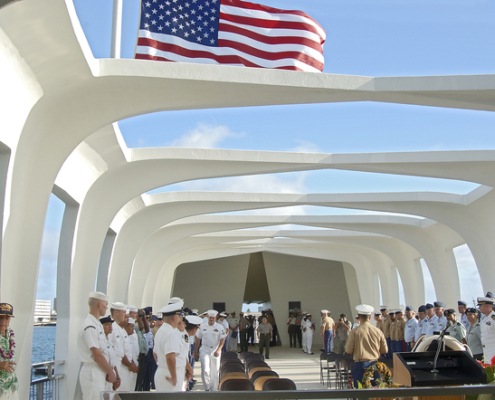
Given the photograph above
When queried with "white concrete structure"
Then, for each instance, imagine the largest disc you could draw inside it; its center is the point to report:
(58, 106)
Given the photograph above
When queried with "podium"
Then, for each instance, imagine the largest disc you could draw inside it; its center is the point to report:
(454, 368)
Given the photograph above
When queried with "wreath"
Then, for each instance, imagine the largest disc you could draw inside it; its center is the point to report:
(385, 379)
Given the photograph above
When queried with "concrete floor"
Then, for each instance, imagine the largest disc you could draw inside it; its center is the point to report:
(302, 368)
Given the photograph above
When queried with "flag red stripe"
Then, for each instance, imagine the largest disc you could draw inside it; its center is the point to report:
(261, 7)
(173, 48)
(231, 59)
(269, 39)
(267, 23)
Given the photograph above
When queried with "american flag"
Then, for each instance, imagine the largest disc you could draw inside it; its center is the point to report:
(232, 32)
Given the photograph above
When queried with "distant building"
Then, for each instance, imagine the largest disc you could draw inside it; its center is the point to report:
(42, 311)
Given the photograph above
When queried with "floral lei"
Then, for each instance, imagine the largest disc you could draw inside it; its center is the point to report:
(385, 376)
(10, 353)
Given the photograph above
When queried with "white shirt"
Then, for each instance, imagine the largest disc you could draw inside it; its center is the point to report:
(167, 340)
(91, 336)
(117, 339)
(134, 348)
(488, 337)
(211, 335)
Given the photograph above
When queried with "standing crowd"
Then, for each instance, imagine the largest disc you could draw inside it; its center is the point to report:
(130, 349)
(398, 330)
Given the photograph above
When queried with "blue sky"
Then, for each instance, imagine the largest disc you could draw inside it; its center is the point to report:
(371, 38)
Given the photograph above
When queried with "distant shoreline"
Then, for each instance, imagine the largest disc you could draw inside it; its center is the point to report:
(45, 324)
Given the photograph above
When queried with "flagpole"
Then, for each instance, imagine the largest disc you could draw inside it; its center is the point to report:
(116, 29)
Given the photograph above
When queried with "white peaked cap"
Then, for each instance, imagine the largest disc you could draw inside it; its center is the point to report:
(364, 309)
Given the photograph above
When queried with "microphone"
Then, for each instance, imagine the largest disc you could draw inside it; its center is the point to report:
(439, 347)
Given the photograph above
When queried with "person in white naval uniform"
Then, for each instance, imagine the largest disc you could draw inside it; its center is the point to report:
(96, 369)
(308, 328)
(169, 376)
(210, 338)
(487, 328)
(120, 342)
(132, 351)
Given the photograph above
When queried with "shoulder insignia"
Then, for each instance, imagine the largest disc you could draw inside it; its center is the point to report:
(90, 326)
(493, 316)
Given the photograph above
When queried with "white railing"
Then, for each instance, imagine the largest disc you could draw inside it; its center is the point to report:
(44, 382)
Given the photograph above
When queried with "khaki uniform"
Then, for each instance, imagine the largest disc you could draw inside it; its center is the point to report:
(366, 343)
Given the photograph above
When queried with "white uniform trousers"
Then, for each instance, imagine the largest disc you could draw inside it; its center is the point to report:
(93, 381)
(127, 379)
(308, 340)
(163, 385)
(210, 366)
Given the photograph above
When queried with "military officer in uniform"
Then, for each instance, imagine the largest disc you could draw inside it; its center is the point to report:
(365, 343)
(473, 333)
(96, 368)
(387, 322)
(410, 328)
(421, 327)
(455, 328)
(487, 327)
(170, 374)
(439, 312)
(208, 346)
(462, 308)
(431, 325)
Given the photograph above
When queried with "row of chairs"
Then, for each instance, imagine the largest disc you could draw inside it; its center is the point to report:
(336, 368)
(249, 371)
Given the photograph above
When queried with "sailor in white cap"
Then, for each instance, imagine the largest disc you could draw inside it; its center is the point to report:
(327, 330)
(308, 328)
(365, 343)
(96, 369)
(170, 374)
(487, 327)
(132, 351)
(120, 342)
(209, 341)
(192, 325)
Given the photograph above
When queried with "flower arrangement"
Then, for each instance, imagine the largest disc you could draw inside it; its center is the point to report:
(490, 378)
(384, 381)
(489, 370)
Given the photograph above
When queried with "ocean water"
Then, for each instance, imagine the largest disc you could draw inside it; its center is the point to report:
(43, 343)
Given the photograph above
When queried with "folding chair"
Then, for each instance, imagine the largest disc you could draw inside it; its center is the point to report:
(279, 384)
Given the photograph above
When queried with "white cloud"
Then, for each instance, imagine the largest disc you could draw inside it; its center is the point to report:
(306, 147)
(204, 136)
